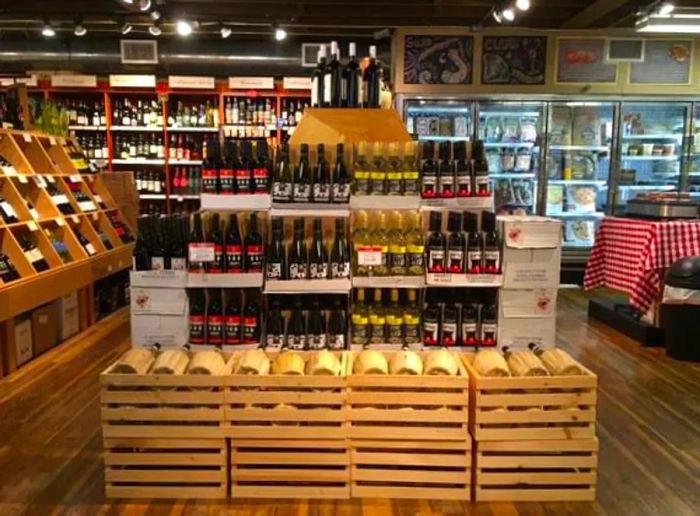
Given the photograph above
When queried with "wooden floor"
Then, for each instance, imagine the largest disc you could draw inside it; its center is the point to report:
(649, 431)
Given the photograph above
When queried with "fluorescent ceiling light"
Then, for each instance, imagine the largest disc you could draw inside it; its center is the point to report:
(681, 21)
(48, 31)
(280, 33)
(225, 32)
(523, 5)
(155, 30)
(80, 30)
(184, 28)
(508, 14)
(666, 8)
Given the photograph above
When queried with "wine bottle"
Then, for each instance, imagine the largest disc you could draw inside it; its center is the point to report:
(492, 244)
(377, 319)
(296, 331)
(317, 338)
(429, 172)
(210, 169)
(251, 322)
(370, 81)
(415, 247)
(232, 318)
(178, 251)
(195, 246)
(244, 172)
(87, 245)
(261, 169)
(436, 244)
(352, 79)
(394, 174)
(282, 179)
(141, 260)
(397, 247)
(410, 175)
(361, 243)
(227, 173)
(234, 247)
(301, 190)
(341, 178)
(411, 319)
(481, 170)
(217, 238)
(361, 171)
(197, 317)
(463, 170)
(394, 319)
(8, 272)
(334, 92)
(474, 244)
(7, 212)
(215, 319)
(359, 319)
(32, 253)
(298, 261)
(340, 252)
(157, 247)
(431, 320)
(450, 321)
(446, 173)
(253, 246)
(274, 337)
(276, 260)
(489, 325)
(321, 181)
(318, 256)
(469, 334)
(337, 327)
(455, 244)
(378, 173)
(317, 80)
(379, 239)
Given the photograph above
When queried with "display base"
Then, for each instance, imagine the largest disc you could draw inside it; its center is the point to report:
(618, 314)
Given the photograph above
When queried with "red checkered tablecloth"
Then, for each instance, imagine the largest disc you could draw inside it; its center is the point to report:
(631, 254)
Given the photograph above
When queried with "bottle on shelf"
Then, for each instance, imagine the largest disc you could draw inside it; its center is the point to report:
(492, 244)
(261, 169)
(215, 318)
(415, 246)
(178, 248)
(32, 253)
(227, 173)
(394, 174)
(489, 325)
(233, 327)
(361, 171)
(318, 79)
(216, 237)
(470, 332)
(359, 319)
(371, 81)
(397, 246)
(463, 170)
(244, 172)
(432, 319)
(301, 191)
(341, 179)
(275, 325)
(253, 244)
(9, 216)
(317, 336)
(276, 260)
(196, 242)
(410, 174)
(333, 88)
(361, 243)
(282, 178)
(429, 172)
(377, 319)
(475, 244)
(210, 169)
(157, 247)
(352, 79)
(340, 253)
(318, 256)
(141, 259)
(8, 272)
(481, 170)
(394, 319)
(84, 242)
(296, 330)
(455, 244)
(321, 178)
(446, 172)
(450, 322)
(297, 255)
(251, 322)
(196, 318)
(379, 239)
(411, 319)
(337, 327)
(234, 246)
(435, 244)
(378, 172)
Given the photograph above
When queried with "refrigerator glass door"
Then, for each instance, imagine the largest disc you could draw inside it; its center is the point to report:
(651, 149)
(577, 167)
(438, 119)
(694, 168)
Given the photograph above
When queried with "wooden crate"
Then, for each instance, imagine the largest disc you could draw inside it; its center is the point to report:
(285, 407)
(541, 407)
(290, 468)
(411, 469)
(162, 406)
(408, 407)
(551, 470)
(165, 468)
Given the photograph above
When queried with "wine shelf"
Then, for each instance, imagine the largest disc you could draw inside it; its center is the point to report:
(235, 202)
(334, 286)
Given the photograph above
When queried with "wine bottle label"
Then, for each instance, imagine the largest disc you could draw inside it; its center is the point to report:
(281, 192)
(33, 255)
(314, 92)
(340, 270)
(361, 182)
(488, 334)
(317, 341)
(157, 263)
(232, 329)
(215, 266)
(449, 333)
(227, 180)
(482, 185)
(492, 259)
(394, 183)
(336, 341)
(215, 329)
(274, 341)
(436, 260)
(209, 176)
(341, 193)
(297, 271)
(397, 256)
(273, 270)
(470, 333)
(411, 329)
(447, 186)
(395, 329)
(178, 264)
(60, 199)
(376, 329)
(430, 333)
(234, 258)
(455, 260)
(243, 181)
(327, 88)
(318, 270)
(377, 180)
(474, 262)
(254, 258)
(296, 342)
(90, 249)
(260, 180)
(464, 184)
(301, 193)
(8, 209)
(250, 329)
(415, 256)
(196, 329)
(321, 192)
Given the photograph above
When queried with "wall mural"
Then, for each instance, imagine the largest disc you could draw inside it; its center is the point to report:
(514, 60)
(438, 59)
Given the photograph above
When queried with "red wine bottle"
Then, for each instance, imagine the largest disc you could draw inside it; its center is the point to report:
(232, 318)
(436, 244)
(234, 247)
(196, 317)
(253, 246)
(215, 319)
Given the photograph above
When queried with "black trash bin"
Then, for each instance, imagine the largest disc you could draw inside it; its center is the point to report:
(682, 309)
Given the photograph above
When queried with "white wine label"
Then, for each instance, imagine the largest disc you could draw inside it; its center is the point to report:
(178, 264)
(340, 270)
(302, 193)
(61, 199)
(281, 191)
(314, 91)
(274, 341)
(341, 193)
(336, 341)
(317, 341)
(274, 270)
(8, 209)
(327, 88)
(90, 248)
(157, 263)
(296, 342)
(322, 193)
(318, 270)
(297, 271)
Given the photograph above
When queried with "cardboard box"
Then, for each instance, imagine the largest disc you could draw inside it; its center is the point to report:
(68, 313)
(44, 328)
(24, 351)
(158, 279)
(531, 251)
(519, 332)
(159, 316)
(527, 303)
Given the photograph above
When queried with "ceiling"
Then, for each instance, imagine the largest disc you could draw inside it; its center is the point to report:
(305, 17)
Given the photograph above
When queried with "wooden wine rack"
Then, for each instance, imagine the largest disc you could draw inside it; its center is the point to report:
(35, 155)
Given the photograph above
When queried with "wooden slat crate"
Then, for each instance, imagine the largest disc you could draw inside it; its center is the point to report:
(162, 406)
(290, 468)
(411, 469)
(408, 407)
(165, 468)
(285, 406)
(551, 470)
(538, 407)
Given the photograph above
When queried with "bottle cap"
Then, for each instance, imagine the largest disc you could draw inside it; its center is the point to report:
(454, 221)
(469, 222)
(352, 49)
(444, 150)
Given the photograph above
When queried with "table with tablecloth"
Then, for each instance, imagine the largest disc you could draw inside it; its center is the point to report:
(631, 255)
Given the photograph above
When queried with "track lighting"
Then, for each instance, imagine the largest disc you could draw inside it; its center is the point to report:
(508, 14)
(155, 15)
(497, 16)
(183, 27)
(280, 34)
(126, 28)
(79, 30)
(523, 5)
(145, 5)
(47, 30)
(155, 30)
(666, 8)
(225, 32)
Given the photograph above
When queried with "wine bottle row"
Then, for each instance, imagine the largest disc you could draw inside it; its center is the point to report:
(375, 323)
(306, 325)
(223, 317)
(245, 111)
(238, 171)
(83, 113)
(94, 146)
(193, 114)
(448, 320)
(137, 112)
(139, 146)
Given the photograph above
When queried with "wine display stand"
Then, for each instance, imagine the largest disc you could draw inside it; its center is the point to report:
(37, 162)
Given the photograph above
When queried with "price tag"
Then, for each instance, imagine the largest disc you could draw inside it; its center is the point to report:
(9, 171)
(60, 222)
(34, 214)
(201, 252)
(52, 141)
(23, 179)
(442, 279)
(32, 225)
(76, 178)
(50, 179)
(369, 255)
(75, 219)
(27, 137)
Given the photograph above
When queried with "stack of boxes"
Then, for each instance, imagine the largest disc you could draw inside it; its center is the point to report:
(531, 268)
(159, 308)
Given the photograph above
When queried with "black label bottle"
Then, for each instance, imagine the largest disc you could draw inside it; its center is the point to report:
(227, 173)
(276, 262)
(253, 246)
(431, 320)
(296, 332)
(474, 244)
(492, 244)
(301, 190)
(455, 244)
(251, 323)
(341, 178)
(217, 238)
(244, 173)
(370, 81)
(469, 334)
(340, 252)
(429, 172)
(196, 317)
(196, 244)
(210, 171)
(446, 172)
(274, 337)
(317, 81)
(232, 318)
(317, 338)
(234, 247)
(436, 244)
(334, 92)
(489, 325)
(463, 170)
(282, 179)
(450, 321)
(297, 255)
(352, 79)
(337, 327)
(141, 260)
(481, 170)
(261, 169)
(215, 319)
(318, 256)
(321, 190)
(411, 319)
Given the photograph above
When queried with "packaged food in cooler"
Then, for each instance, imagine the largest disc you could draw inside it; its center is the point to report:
(579, 232)
(581, 199)
(528, 130)
(507, 160)
(493, 129)
(523, 160)
(555, 199)
(560, 126)
(493, 158)
(583, 166)
(511, 130)
(586, 129)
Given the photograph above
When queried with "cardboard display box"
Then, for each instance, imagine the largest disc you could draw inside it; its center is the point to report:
(68, 315)
(527, 315)
(24, 351)
(159, 316)
(44, 328)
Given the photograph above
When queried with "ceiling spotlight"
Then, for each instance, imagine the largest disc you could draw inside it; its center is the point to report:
(155, 15)
(497, 16)
(126, 28)
(79, 30)
(280, 33)
(127, 2)
(225, 32)
(144, 5)
(523, 5)
(155, 30)
(184, 28)
(48, 31)
(666, 8)
(508, 14)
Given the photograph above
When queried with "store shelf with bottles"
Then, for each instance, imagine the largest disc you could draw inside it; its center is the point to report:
(388, 281)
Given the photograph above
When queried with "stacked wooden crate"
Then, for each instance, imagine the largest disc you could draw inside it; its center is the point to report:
(534, 437)
(288, 434)
(408, 434)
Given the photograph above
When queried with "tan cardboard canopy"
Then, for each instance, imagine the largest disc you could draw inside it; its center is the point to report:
(331, 126)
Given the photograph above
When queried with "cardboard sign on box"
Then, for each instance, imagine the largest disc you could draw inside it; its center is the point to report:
(530, 303)
(68, 315)
(158, 301)
(519, 332)
(159, 316)
(24, 351)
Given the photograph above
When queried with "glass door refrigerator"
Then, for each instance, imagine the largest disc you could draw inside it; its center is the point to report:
(577, 168)
(438, 119)
(693, 178)
(512, 133)
(651, 149)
